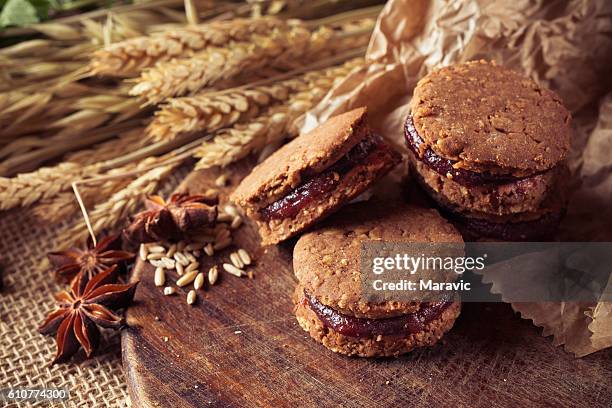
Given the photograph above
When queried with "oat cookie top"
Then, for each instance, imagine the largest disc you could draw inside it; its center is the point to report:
(489, 118)
(309, 153)
(326, 261)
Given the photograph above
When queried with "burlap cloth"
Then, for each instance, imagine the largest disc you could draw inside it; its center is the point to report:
(24, 302)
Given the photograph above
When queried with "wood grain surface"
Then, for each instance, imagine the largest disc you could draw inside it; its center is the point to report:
(240, 346)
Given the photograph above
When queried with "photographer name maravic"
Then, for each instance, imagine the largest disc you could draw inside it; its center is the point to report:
(420, 285)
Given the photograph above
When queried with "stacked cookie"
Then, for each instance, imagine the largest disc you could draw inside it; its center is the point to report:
(314, 175)
(329, 301)
(488, 146)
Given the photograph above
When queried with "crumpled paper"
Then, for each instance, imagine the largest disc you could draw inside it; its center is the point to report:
(564, 45)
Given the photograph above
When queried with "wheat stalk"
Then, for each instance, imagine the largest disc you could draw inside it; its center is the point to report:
(102, 177)
(28, 188)
(51, 186)
(67, 48)
(210, 112)
(61, 142)
(281, 49)
(232, 144)
(63, 204)
(129, 57)
(40, 70)
(41, 75)
(44, 124)
(40, 96)
(40, 47)
(126, 141)
(36, 130)
(21, 105)
(66, 105)
(43, 118)
(109, 215)
(146, 14)
(46, 183)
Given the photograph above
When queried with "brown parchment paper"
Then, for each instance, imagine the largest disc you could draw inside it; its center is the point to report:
(565, 46)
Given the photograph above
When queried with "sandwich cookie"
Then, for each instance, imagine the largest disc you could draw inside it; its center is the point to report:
(488, 146)
(328, 301)
(314, 175)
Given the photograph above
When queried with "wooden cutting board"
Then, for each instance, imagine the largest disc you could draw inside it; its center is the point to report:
(240, 346)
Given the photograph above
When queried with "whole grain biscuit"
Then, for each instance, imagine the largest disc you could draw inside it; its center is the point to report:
(310, 153)
(487, 118)
(314, 175)
(326, 261)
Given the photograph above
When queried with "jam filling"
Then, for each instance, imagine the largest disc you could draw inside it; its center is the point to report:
(543, 228)
(352, 326)
(446, 167)
(369, 151)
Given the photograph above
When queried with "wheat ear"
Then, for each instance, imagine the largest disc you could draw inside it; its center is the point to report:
(109, 214)
(129, 57)
(50, 183)
(129, 140)
(63, 204)
(28, 188)
(211, 111)
(230, 145)
(281, 49)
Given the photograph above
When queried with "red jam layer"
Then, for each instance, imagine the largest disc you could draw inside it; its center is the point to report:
(369, 151)
(445, 166)
(352, 326)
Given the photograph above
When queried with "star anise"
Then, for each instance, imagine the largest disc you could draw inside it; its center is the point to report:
(91, 260)
(171, 220)
(75, 323)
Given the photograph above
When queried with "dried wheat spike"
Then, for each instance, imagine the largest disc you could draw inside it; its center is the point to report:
(64, 204)
(280, 49)
(232, 144)
(127, 141)
(70, 111)
(212, 111)
(27, 188)
(128, 58)
(109, 214)
(209, 112)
